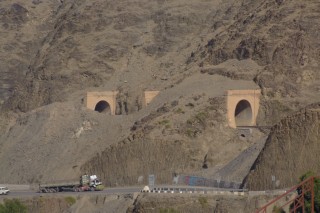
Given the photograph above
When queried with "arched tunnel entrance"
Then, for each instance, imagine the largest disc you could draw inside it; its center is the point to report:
(103, 107)
(243, 113)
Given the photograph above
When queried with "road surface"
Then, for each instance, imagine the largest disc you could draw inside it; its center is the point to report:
(109, 191)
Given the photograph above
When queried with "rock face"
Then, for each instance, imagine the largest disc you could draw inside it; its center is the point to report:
(291, 150)
(280, 37)
(95, 44)
(23, 26)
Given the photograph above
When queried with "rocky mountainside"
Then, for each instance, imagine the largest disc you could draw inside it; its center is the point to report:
(274, 34)
(130, 47)
(192, 51)
(291, 150)
(279, 36)
(100, 45)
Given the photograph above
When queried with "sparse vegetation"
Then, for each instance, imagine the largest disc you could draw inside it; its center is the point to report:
(201, 117)
(167, 126)
(164, 122)
(70, 200)
(191, 105)
(203, 202)
(179, 111)
(190, 133)
(196, 124)
(12, 206)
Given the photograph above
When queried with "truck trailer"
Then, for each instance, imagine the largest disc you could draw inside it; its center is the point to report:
(86, 183)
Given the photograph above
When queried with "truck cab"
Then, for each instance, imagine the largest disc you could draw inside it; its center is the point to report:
(96, 182)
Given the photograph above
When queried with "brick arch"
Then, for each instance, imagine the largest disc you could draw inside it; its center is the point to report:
(100, 100)
(242, 107)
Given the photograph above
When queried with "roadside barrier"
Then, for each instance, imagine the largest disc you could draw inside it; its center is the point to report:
(200, 181)
(192, 191)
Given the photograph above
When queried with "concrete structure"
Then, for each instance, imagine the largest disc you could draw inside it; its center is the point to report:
(149, 95)
(102, 101)
(242, 107)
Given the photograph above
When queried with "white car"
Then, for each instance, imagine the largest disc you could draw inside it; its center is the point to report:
(4, 190)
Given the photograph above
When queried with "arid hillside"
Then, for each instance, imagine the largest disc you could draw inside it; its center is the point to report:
(192, 51)
(291, 150)
(280, 37)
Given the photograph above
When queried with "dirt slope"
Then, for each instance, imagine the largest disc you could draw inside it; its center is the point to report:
(291, 150)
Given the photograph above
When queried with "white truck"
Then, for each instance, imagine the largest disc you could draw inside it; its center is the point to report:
(86, 183)
(4, 190)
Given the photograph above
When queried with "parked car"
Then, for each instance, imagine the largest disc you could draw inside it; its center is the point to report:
(4, 190)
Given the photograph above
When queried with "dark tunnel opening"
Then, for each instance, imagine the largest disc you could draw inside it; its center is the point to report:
(243, 113)
(102, 107)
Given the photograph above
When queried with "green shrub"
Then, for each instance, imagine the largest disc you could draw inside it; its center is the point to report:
(277, 209)
(70, 200)
(164, 122)
(307, 196)
(190, 133)
(201, 117)
(12, 206)
(203, 201)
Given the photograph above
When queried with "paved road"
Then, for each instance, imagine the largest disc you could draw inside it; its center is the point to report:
(237, 169)
(109, 191)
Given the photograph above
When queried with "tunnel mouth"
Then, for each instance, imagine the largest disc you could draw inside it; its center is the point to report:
(102, 107)
(243, 113)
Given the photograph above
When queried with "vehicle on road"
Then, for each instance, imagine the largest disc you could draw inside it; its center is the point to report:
(86, 183)
(4, 190)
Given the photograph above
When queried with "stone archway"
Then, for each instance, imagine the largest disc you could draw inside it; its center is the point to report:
(243, 107)
(104, 102)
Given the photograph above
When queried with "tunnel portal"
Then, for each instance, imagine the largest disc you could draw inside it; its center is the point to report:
(103, 107)
(242, 107)
(243, 113)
